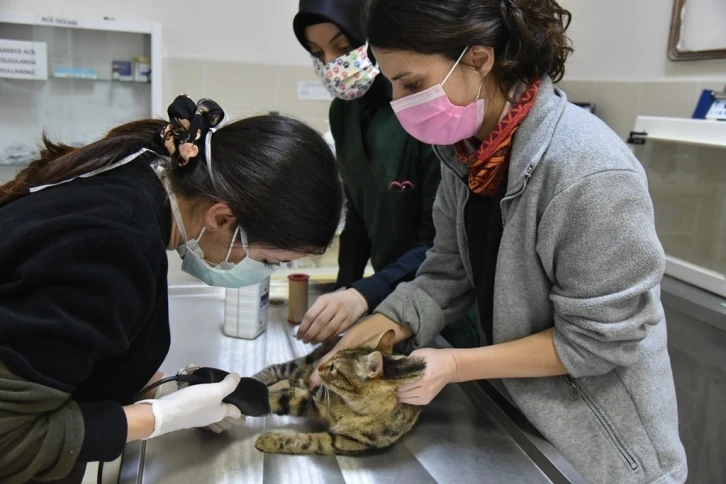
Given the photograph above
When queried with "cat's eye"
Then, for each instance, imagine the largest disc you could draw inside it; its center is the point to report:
(332, 366)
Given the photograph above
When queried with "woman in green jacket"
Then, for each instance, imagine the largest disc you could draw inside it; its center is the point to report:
(390, 178)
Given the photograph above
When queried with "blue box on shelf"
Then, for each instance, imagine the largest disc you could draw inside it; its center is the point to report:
(122, 70)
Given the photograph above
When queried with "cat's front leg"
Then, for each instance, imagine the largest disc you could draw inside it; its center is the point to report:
(270, 375)
(321, 443)
(292, 400)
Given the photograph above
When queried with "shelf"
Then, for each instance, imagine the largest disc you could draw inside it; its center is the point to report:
(98, 80)
(683, 130)
(94, 43)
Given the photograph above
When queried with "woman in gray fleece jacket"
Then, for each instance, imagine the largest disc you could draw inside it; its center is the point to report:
(543, 219)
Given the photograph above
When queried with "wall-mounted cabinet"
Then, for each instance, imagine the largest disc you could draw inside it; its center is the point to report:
(73, 79)
(685, 160)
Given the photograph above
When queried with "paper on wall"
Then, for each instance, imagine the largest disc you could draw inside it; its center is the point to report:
(20, 59)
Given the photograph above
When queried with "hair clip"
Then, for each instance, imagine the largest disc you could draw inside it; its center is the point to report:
(190, 125)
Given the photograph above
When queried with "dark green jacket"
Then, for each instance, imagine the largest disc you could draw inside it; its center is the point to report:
(391, 227)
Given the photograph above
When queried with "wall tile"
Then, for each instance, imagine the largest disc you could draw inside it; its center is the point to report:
(712, 85)
(182, 76)
(320, 124)
(287, 94)
(245, 89)
(242, 89)
(618, 105)
(671, 99)
(616, 102)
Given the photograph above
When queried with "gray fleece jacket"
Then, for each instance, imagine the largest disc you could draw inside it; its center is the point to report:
(579, 253)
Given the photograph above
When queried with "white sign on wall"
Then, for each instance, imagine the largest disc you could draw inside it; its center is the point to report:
(58, 21)
(20, 59)
(312, 91)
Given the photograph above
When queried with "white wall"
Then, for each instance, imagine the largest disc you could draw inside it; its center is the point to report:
(253, 31)
(627, 40)
(614, 39)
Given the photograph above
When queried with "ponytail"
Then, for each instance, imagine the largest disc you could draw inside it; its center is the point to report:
(60, 162)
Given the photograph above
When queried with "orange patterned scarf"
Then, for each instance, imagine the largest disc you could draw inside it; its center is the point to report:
(488, 164)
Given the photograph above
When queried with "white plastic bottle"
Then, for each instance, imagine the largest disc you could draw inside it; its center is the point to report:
(245, 310)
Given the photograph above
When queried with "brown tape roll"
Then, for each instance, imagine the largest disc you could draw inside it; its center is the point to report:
(298, 297)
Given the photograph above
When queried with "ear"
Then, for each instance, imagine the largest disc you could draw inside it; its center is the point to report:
(219, 216)
(374, 365)
(384, 342)
(481, 58)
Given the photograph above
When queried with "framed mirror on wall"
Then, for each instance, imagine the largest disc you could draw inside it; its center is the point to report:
(697, 30)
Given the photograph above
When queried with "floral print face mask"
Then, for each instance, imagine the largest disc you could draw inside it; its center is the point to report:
(350, 76)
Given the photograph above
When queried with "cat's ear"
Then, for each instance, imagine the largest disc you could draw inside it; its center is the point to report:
(384, 342)
(374, 365)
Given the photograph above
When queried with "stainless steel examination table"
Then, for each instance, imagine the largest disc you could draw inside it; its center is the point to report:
(468, 434)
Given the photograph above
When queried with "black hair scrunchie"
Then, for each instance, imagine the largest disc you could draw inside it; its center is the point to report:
(202, 116)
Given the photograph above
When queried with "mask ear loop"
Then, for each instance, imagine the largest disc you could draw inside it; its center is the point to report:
(208, 144)
(175, 209)
(231, 245)
(455, 64)
(245, 243)
(481, 84)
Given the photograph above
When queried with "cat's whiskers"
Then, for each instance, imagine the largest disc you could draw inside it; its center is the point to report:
(327, 396)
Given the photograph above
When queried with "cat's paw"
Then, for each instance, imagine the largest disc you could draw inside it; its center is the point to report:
(270, 442)
(279, 386)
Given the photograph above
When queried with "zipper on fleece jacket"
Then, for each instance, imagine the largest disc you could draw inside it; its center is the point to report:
(577, 391)
(527, 176)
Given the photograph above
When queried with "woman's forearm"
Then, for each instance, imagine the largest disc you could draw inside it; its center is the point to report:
(140, 421)
(370, 328)
(152, 393)
(530, 357)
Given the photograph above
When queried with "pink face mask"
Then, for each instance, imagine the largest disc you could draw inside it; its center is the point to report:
(431, 118)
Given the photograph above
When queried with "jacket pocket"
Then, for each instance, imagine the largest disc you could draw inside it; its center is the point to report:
(577, 392)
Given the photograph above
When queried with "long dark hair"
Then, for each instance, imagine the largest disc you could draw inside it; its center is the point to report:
(528, 36)
(276, 174)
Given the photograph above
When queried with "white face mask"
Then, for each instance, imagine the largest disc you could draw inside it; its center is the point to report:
(225, 274)
(349, 76)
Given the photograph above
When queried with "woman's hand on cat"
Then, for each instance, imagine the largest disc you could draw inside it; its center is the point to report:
(440, 371)
(331, 315)
(359, 334)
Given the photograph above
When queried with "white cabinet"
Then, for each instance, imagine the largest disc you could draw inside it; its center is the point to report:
(685, 160)
(83, 95)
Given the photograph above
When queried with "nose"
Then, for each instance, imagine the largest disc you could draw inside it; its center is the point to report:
(398, 92)
(329, 56)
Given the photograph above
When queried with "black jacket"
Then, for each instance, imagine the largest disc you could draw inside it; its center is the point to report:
(83, 293)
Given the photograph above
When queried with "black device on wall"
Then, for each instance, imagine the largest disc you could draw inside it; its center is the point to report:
(587, 106)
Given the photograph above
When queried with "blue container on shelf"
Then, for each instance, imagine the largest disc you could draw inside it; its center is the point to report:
(122, 70)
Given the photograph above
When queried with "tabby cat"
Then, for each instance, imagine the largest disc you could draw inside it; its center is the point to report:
(356, 400)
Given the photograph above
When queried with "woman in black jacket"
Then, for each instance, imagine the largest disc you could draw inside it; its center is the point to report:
(83, 291)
